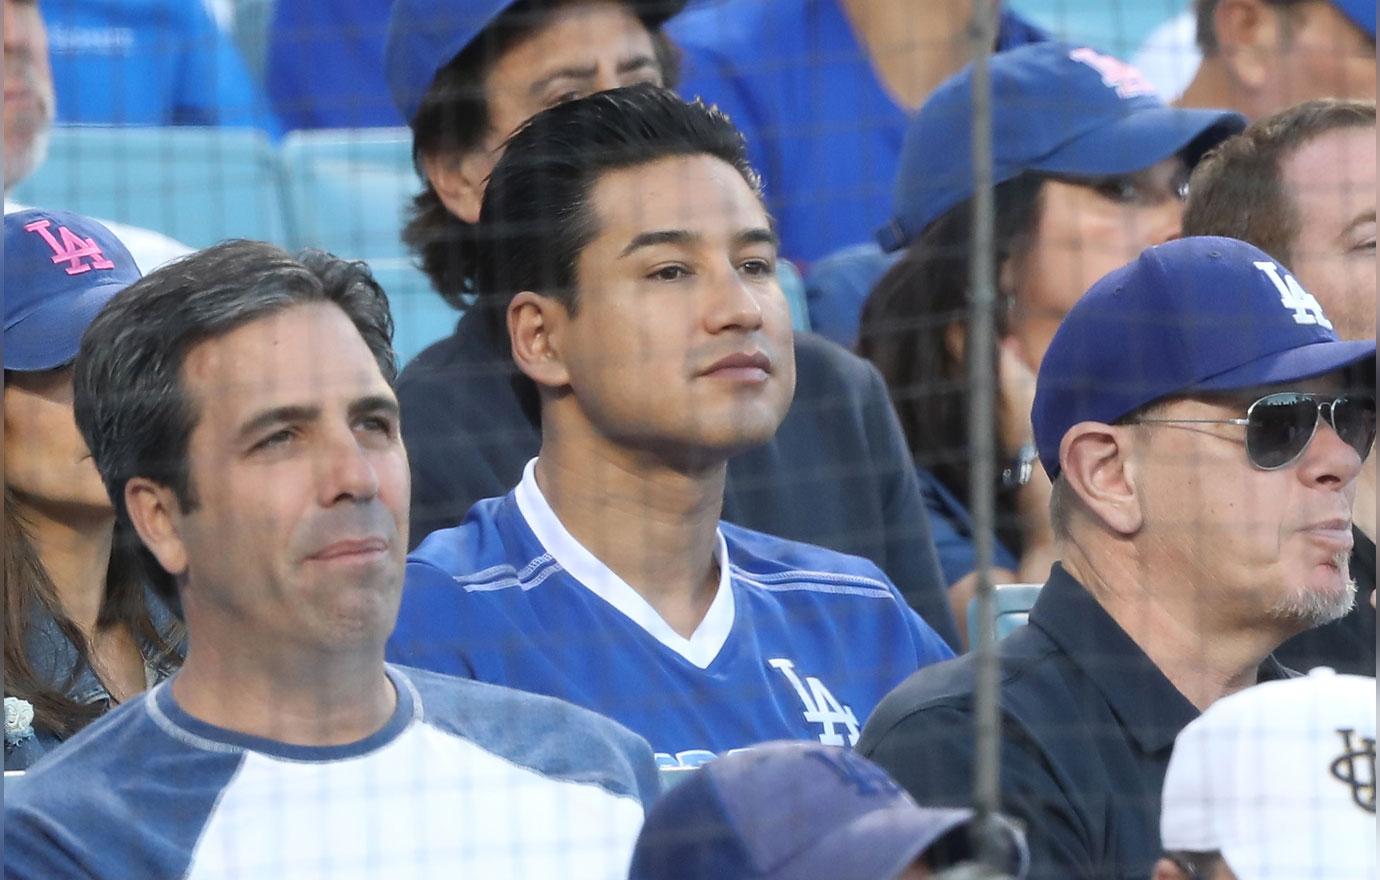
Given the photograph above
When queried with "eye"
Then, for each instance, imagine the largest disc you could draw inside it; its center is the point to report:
(277, 439)
(1118, 189)
(758, 267)
(673, 272)
(564, 97)
(377, 425)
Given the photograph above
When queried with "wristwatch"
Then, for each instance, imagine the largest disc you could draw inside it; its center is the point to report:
(1019, 472)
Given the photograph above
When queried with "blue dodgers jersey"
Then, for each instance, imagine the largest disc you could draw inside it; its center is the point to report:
(799, 643)
(465, 780)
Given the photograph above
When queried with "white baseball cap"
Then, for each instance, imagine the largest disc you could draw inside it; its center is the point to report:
(1280, 779)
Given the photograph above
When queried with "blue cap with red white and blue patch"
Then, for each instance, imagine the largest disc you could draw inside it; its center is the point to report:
(60, 270)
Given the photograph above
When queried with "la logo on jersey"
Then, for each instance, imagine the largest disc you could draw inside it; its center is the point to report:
(72, 249)
(1306, 309)
(821, 706)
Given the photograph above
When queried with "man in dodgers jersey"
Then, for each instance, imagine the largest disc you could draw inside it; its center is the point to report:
(628, 231)
(238, 405)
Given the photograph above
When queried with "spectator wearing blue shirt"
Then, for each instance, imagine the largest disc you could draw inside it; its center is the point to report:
(823, 91)
(625, 233)
(149, 62)
(1090, 168)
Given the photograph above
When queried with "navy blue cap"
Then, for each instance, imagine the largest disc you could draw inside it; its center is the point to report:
(1057, 109)
(795, 810)
(1361, 13)
(60, 269)
(1194, 315)
(426, 35)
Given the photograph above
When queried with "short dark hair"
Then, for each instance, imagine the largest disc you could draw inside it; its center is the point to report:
(536, 216)
(130, 404)
(1205, 14)
(907, 315)
(1237, 190)
(453, 117)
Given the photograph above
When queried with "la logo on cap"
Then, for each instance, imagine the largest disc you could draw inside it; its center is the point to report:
(1293, 297)
(1116, 74)
(72, 249)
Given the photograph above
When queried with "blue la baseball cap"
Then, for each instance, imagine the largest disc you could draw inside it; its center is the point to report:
(60, 269)
(1056, 108)
(1194, 315)
(1361, 13)
(796, 811)
(426, 35)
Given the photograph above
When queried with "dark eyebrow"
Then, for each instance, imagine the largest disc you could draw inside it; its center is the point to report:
(276, 416)
(663, 236)
(374, 403)
(1363, 217)
(759, 235)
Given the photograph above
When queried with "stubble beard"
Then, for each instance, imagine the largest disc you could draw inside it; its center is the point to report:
(1313, 608)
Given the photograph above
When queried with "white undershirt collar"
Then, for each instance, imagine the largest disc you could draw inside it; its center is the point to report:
(704, 643)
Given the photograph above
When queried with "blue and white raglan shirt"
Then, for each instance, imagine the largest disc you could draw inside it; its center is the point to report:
(798, 643)
(465, 780)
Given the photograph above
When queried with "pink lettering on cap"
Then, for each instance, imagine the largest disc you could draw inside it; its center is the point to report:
(1116, 74)
(72, 250)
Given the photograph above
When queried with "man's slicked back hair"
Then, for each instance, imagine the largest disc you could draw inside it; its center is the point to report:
(537, 218)
(1238, 190)
(131, 406)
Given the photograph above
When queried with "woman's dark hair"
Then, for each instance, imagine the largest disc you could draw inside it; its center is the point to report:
(30, 596)
(453, 118)
(908, 314)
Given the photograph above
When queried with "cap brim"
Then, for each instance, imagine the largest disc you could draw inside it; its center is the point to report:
(50, 336)
(1140, 139)
(1304, 362)
(877, 844)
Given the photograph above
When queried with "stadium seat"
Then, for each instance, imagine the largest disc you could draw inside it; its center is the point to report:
(1012, 603)
(198, 185)
(673, 776)
(420, 316)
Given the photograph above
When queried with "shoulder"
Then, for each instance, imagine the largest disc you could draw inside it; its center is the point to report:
(780, 565)
(548, 736)
(470, 551)
(731, 30)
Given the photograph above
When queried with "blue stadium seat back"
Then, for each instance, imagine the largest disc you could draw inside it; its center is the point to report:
(198, 185)
(793, 286)
(420, 316)
(837, 287)
(1012, 603)
(348, 189)
(673, 776)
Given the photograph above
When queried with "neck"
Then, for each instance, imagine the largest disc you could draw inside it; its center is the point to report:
(277, 692)
(913, 46)
(1213, 86)
(1203, 658)
(1363, 514)
(653, 524)
(75, 551)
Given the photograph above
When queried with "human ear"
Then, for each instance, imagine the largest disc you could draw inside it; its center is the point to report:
(1094, 459)
(459, 180)
(154, 512)
(1248, 38)
(534, 328)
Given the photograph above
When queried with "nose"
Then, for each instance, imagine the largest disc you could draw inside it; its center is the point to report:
(735, 303)
(346, 471)
(1329, 461)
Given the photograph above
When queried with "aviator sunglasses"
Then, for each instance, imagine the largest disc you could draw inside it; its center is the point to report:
(1280, 426)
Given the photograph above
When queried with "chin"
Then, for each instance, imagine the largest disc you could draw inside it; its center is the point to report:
(1325, 597)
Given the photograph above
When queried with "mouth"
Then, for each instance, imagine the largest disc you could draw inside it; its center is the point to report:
(753, 366)
(351, 550)
(1334, 534)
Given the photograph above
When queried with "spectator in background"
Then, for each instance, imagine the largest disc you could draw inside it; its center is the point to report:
(1275, 783)
(29, 107)
(84, 630)
(149, 62)
(466, 75)
(325, 64)
(800, 811)
(1204, 432)
(1261, 56)
(1300, 185)
(823, 91)
(1090, 169)
(627, 236)
(270, 484)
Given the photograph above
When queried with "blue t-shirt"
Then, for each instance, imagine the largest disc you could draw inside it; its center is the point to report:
(149, 62)
(953, 529)
(821, 129)
(799, 642)
(465, 780)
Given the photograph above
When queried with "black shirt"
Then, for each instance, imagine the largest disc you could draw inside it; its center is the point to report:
(1088, 722)
(1346, 645)
(837, 473)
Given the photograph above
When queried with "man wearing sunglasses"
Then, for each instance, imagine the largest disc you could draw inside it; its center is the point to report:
(1204, 428)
